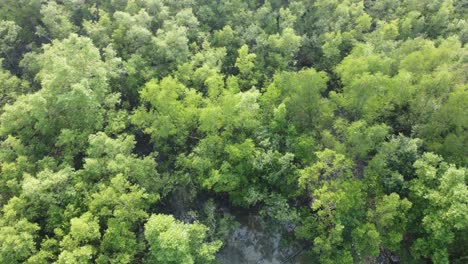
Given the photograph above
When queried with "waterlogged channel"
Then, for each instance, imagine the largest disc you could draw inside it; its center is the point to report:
(251, 243)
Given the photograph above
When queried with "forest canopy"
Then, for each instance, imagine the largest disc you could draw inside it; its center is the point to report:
(343, 123)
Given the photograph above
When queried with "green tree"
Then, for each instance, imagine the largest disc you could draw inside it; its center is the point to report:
(70, 104)
(391, 168)
(440, 194)
(121, 208)
(78, 245)
(9, 35)
(107, 157)
(57, 21)
(245, 62)
(390, 218)
(171, 241)
(173, 113)
(300, 92)
(11, 87)
(17, 240)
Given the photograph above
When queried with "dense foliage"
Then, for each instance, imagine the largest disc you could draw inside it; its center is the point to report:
(346, 119)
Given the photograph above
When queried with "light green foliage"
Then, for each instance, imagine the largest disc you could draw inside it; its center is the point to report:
(77, 245)
(45, 194)
(11, 87)
(338, 207)
(368, 95)
(418, 18)
(205, 63)
(224, 159)
(393, 165)
(278, 51)
(409, 91)
(278, 209)
(121, 206)
(118, 245)
(49, 247)
(341, 223)
(170, 46)
(332, 27)
(17, 240)
(56, 19)
(171, 241)
(121, 200)
(246, 65)
(72, 61)
(231, 112)
(69, 105)
(14, 164)
(368, 240)
(336, 199)
(300, 93)
(100, 31)
(108, 157)
(446, 131)
(9, 36)
(172, 117)
(360, 138)
(131, 33)
(441, 193)
(173, 113)
(390, 218)
(186, 18)
(330, 167)
(229, 177)
(12, 172)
